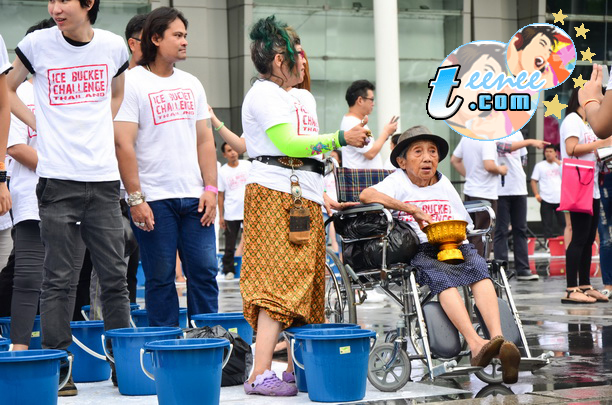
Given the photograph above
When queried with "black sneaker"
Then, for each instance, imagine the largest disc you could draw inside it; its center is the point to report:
(68, 390)
(526, 275)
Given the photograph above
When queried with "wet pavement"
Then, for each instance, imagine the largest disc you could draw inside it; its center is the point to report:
(579, 336)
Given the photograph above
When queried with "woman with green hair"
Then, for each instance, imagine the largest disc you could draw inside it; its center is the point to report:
(283, 274)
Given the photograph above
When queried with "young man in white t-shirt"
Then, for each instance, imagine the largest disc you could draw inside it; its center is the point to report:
(512, 203)
(360, 99)
(78, 87)
(168, 165)
(232, 183)
(547, 175)
(476, 160)
(5, 120)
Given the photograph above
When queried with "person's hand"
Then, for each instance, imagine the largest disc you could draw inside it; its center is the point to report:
(538, 198)
(331, 204)
(222, 223)
(390, 128)
(502, 169)
(358, 136)
(422, 218)
(213, 118)
(592, 88)
(5, 199)
(142, 216)
(208, 205)
(537, 143)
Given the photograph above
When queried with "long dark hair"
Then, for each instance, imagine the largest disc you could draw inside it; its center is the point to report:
(573, 104)
(157, 23)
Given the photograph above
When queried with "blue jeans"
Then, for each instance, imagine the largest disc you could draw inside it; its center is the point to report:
(178, 227)
(605, 229)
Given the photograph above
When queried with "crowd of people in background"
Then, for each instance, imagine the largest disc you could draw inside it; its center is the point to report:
(114, 162)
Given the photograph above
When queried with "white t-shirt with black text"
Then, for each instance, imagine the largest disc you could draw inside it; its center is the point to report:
(478, 182)
(23, 179)
(353, 157)
(548, 176)
(166, 110)
(574, 126)
(515, 181)
(232, 182)
(439, 200)
(265, 106)
(72, 93)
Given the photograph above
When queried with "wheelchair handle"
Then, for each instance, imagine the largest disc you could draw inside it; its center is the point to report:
(297, 363)
(373, 342)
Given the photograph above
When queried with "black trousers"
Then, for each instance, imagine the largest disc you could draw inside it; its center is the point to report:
(578, 253)
(553, 221)
(512, 210)
(232, 230)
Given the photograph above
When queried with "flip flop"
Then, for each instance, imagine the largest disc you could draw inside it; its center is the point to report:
(568, 300)
(593, 293)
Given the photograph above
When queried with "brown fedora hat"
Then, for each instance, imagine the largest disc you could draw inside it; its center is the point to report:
(418, 133)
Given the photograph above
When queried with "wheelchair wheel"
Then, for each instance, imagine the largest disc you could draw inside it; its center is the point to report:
(395, 376)
(491, 374)
(339, 297)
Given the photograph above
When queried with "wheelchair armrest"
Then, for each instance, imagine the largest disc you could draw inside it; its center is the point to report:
(361, 208)
(475, 206)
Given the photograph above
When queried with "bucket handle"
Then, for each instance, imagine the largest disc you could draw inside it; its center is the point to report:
(67, 375)
(142, 366)
(297, 363)
(193, 324)
(10, 347)
(111, 358)
(229, 353)
(87, 349)
(132, 324)
(84, 315)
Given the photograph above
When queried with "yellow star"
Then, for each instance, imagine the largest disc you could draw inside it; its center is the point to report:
(587, 55)
(554, 107)
(581, 31)
(559, 17)
(579, 82)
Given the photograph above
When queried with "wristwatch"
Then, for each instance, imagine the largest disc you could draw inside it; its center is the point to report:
(135, 198)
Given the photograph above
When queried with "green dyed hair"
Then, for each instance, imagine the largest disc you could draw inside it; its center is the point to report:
(270, 37)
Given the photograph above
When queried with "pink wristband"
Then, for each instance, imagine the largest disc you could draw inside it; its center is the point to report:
(212, 188)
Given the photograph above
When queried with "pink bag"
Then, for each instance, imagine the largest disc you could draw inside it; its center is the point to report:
(577, 186)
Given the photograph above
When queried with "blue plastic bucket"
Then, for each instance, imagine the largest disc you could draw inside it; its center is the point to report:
(126, 356)
(141, 319)
(86, 309)
(30, 376)
(232, 321)
(89, 363)
(300, 375)
(5, 344)
(35, 341)
(186, 371)
(336, 363)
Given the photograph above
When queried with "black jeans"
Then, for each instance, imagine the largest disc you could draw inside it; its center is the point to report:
(481, 221)
(578, 253)
(512, 210)
(553, 221)
(62, 204)
(232, 229)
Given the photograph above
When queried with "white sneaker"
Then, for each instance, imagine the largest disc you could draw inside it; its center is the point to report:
(229, 276)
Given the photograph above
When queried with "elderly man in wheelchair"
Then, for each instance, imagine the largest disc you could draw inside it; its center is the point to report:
(420, 195)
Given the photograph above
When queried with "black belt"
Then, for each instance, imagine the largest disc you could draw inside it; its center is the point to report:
(307, 164)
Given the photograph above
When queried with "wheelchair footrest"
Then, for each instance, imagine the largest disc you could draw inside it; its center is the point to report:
(458, 371)
(533, 363)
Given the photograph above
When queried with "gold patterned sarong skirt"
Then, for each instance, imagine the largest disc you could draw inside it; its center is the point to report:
(286, 280)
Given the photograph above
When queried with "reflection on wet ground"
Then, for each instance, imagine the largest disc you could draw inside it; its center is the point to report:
(580, 336)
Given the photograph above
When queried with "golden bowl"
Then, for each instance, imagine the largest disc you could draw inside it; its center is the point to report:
(447, 236)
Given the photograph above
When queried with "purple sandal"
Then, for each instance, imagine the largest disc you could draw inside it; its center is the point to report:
(269, 384)
(289, 377)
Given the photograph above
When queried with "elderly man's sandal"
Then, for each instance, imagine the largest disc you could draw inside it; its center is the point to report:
(488, 351)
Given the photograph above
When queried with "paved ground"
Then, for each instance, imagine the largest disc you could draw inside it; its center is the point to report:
(580, 336)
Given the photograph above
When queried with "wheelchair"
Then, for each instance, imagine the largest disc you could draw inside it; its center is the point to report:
(423, 323)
